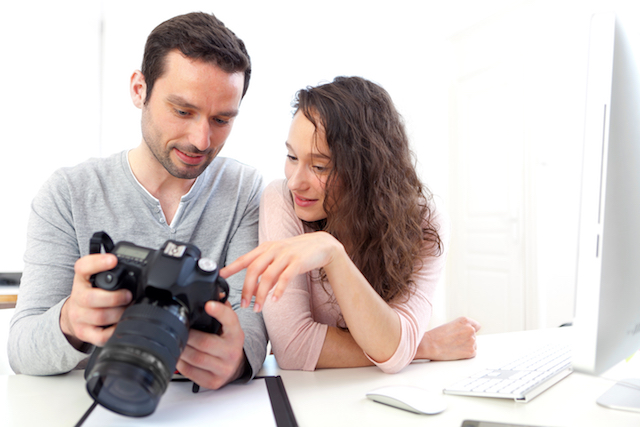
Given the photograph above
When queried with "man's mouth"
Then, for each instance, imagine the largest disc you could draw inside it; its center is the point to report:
(188, 158)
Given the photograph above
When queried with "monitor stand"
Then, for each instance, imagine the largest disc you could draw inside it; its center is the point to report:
(625, 396)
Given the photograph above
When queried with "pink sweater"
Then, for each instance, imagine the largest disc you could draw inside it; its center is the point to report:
(297, 323)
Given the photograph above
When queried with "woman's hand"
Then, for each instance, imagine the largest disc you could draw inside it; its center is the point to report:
(274, 264)
(452, 341)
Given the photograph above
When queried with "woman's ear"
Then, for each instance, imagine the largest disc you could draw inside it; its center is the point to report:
(138, 89)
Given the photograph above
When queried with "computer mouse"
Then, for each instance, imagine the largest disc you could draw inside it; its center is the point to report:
(409, 398)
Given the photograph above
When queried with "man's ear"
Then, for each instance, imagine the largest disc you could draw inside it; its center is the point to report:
(138, 89)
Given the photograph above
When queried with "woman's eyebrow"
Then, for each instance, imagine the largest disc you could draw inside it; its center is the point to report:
(314, 155)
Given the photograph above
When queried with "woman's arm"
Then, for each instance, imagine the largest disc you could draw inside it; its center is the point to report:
(300, 337)
(454, 340)
(372, 322)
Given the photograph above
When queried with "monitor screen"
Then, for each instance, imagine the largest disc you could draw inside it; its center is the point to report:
(607, 316)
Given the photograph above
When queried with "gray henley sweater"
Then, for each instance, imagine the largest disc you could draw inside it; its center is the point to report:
(219, 215)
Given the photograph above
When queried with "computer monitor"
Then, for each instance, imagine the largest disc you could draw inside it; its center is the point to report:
(607, 312)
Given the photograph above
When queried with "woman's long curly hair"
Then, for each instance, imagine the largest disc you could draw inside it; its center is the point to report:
(376, 205)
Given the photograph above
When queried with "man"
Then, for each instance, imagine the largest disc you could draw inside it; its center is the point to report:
(194, 75)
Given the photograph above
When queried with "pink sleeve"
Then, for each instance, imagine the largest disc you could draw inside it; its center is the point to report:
(296, 338)
(415, 312)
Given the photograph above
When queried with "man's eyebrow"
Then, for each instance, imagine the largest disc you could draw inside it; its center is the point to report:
(178, 100)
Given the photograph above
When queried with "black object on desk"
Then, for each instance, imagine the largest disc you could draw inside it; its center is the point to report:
(10, 279)
(280, 402)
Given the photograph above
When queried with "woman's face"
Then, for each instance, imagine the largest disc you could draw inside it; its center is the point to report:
(307, 168)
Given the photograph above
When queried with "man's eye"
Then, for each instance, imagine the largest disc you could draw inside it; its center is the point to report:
(221, 121)
(181, 113)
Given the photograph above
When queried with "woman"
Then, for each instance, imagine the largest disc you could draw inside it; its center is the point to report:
(353, 237)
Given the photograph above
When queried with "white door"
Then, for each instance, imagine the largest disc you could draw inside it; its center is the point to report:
(486, 275)
(490, 263)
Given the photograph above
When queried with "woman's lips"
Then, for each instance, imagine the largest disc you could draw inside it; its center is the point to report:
(304, 203)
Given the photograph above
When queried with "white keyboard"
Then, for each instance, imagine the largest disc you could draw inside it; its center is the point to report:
(522, 379)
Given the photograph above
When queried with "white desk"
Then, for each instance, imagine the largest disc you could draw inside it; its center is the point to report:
(336, 397)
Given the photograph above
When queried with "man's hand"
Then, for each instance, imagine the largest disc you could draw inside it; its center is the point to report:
(210, 360)
(452, 341)
(89, 312)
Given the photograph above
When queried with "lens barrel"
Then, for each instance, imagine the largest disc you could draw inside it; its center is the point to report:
(133, 369)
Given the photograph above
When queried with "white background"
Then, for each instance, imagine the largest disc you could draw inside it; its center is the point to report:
(65, 69)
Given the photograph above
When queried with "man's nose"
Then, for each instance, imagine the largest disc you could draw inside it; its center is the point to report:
(201, 135)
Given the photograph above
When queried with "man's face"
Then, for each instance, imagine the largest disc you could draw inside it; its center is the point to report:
(189, 115)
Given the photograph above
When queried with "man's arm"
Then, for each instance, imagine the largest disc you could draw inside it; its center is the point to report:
(36, 343)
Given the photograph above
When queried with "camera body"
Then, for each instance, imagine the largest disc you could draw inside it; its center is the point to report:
(170, 287)
(175, 273)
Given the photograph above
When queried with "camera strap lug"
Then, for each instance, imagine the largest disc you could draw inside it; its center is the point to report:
(98, 240)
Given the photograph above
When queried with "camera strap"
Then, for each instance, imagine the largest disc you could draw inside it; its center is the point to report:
(99, 240)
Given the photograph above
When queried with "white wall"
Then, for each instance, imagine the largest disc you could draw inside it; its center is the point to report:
(66, 67)
(50, 110)
(69, 86)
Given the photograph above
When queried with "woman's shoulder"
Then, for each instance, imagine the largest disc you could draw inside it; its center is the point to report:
(276, 186)
(276, 192)
(438, 219)
(278, 219)
(276, 200)
(437, 212)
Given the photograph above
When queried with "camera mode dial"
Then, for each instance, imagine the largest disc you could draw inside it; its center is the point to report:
(207, 265)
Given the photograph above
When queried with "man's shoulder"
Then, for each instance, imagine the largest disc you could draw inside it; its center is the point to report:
(92, 167)
(233, 175)
(228, 167)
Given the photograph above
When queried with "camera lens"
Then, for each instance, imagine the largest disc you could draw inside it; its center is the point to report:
(132, 371)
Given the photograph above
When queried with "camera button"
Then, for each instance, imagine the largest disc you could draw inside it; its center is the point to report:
(207, 265)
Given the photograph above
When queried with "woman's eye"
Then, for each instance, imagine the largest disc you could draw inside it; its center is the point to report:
(291, 158)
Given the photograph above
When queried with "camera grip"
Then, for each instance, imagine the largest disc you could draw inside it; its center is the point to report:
(225, 289)
(110, 279)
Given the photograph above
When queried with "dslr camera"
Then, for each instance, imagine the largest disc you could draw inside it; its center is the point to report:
(170, 287)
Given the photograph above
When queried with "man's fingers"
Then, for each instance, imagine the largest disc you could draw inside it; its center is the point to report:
(228, 318)
(214, 359)
(206, 378)
(96, 263)
(94, 335)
